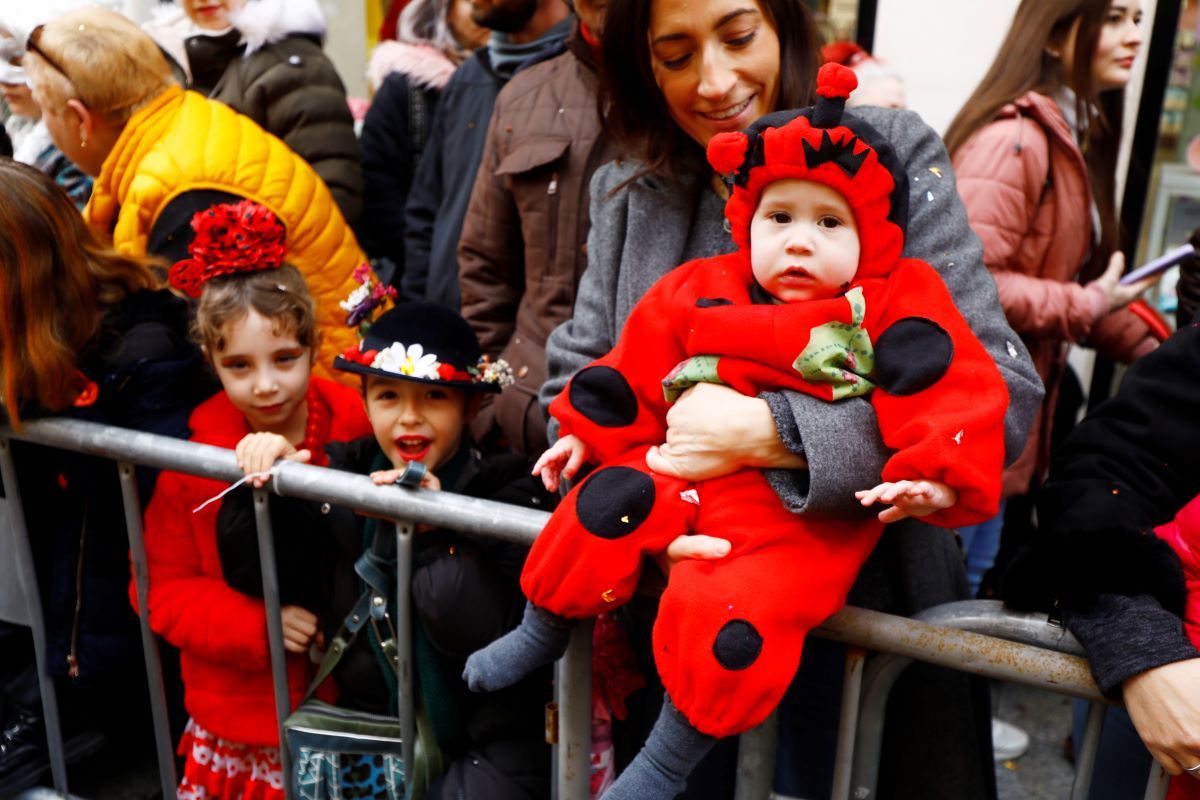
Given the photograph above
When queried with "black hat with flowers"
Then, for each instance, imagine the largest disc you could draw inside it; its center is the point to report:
(425, 343)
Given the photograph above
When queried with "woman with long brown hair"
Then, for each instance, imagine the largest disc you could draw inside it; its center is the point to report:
(88, 335)
(676, 73)
(1035, 149)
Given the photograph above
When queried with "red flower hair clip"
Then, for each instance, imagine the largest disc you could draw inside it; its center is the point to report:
(230, 238)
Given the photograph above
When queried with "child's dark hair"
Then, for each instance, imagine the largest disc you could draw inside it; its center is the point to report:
(280, 295)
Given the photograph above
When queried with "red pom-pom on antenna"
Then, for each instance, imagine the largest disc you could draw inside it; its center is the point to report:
(727, 151)
(834, 80)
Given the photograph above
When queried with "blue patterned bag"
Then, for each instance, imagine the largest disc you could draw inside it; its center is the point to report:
(338, 754)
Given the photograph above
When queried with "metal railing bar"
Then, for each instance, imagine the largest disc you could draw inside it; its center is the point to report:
(404, 647)
(456, 512)
(1085, 763)
(1050, 665)
(756, 760)
(33, 601)
(843, 762)
(1040, 666)
(270, 585)
(1160, 781)
(573, 689)
(163, 748)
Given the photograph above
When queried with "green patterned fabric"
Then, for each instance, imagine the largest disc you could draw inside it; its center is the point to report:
(840, 353)
(697, 369)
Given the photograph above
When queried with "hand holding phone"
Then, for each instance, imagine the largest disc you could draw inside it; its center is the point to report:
(1160, 264)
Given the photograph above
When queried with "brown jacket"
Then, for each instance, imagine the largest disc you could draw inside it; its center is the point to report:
(1024, 182)
(524, 238)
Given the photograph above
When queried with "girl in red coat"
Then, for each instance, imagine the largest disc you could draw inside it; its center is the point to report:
(256, 324)
(818, 299)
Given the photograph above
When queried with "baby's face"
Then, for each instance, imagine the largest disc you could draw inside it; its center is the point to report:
(803, 241)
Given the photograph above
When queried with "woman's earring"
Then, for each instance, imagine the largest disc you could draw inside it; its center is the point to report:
(83, 142)
(1053, 53)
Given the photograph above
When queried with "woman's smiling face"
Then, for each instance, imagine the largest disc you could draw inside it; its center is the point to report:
(716, 63)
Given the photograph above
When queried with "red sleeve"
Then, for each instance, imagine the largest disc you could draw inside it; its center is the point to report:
(190, 606)
(616, 403)
(939, 397)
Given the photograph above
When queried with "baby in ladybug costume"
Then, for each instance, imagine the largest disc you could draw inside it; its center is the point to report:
(816, 299)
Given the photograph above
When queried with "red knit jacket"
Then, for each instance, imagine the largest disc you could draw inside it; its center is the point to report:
(221, 633)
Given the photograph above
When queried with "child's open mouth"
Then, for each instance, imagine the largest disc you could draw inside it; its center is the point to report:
(413, 448)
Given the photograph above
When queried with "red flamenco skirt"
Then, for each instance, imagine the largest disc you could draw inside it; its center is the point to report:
(218, 769)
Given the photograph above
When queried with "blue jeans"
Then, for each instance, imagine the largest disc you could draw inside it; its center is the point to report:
(980, 544)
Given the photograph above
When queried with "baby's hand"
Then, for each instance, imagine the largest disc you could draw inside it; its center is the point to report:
(569, 450)
(299, 629)
(384, 477)
(258, 452)
(909, 498)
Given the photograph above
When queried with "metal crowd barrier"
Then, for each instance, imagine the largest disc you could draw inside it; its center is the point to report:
(977, 637)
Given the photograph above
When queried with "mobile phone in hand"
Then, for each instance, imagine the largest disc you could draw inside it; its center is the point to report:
(1163, 262)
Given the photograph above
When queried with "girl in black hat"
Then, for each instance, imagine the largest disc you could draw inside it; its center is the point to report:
(423, 378)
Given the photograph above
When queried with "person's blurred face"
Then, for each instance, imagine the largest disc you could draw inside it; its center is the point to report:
(1120, 39)
(211, 15)
(1116, 47)
(716, 63)
(20, 100)
(592, 12)
(469, 35)
(506, 16)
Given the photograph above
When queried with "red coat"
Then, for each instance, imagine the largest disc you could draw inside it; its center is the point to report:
(1024, 183)
(221, 633)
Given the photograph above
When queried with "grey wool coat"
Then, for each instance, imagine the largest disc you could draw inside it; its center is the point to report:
(642, 230)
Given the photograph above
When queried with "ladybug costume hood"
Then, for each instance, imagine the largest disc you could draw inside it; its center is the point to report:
(824, 145)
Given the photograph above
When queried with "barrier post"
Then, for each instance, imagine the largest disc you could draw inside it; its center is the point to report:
(843, 762)
(404, 646)
(270, 581)
(33, 600)
(573, 687)
(141, 580)
(756, 760)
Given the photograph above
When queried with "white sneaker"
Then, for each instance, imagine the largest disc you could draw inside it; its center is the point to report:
(1008, 741)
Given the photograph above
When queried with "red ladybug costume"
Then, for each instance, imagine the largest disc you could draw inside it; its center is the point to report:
(729, 633)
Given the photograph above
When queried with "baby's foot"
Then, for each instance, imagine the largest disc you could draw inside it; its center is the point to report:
(540, 639)
(661, 769)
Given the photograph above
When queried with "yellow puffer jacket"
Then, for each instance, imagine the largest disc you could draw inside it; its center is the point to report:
(182, 142)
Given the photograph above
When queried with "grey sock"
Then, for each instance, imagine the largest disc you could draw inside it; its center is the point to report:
(540, 639)
(660, 770)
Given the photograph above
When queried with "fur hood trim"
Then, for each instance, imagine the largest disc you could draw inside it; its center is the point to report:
(264, 22)
(425, 65)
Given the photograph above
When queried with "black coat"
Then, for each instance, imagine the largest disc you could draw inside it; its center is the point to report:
(465, 592)
(1128, 467)
(394, 135)
(149, 377)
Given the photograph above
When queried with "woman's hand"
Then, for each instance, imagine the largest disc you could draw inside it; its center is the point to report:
(299, 629)
(705, 548)
(713, 430)
(1120, 296)
(258, 452)
(1164, 704)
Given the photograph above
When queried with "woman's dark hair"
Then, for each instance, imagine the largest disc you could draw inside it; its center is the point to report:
(1024, 63)
(634, 111)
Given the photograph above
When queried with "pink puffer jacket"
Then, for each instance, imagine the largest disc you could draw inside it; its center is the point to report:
(1024, 182)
